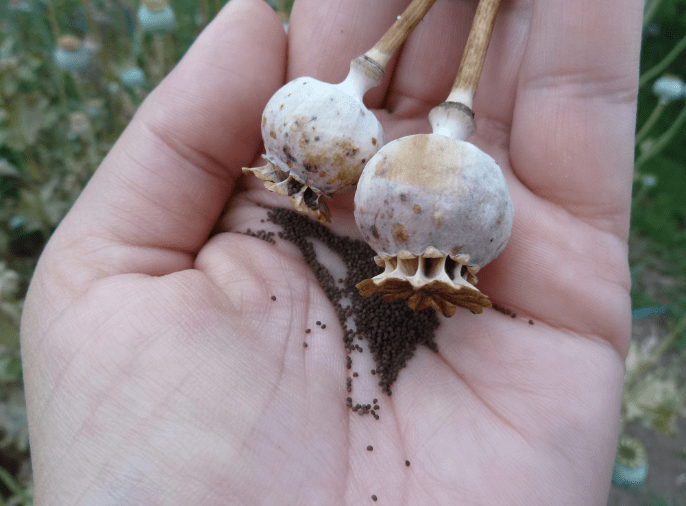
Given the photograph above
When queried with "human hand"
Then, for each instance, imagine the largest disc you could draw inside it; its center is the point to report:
(159, 371)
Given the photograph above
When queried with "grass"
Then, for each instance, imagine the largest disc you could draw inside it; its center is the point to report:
(56, 126)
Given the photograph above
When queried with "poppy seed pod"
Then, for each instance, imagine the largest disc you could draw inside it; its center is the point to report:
(318, 137)
(631, 463)
(71, 55)
(156, 16)
(133, 77)
(668, 88)
(435, 208)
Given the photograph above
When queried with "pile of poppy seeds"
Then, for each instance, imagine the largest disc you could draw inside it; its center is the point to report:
(369, 319)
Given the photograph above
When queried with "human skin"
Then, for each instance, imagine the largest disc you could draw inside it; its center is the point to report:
(159, 371)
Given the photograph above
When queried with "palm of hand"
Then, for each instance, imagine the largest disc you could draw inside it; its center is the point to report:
(192, 385)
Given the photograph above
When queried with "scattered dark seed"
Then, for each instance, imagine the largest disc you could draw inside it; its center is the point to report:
(513, 315)
(531, 322)
(318, 322)
(307, 331)
(373, 498)
(304, 345)
(375, 401)
(376, 406)
(370, 448)
(355, 375)
(324, 326)
(273, 297)
(373, 371)
(407, 463)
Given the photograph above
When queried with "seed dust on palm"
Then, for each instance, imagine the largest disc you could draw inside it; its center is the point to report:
(390, 330)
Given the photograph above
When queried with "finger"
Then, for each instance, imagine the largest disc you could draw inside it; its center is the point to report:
(325, 35)
(427, 66)
(155, 198)
(574, 119)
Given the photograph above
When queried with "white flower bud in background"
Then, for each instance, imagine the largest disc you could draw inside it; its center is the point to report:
(156, 16)
(648, 181)
(631, 463)
(133, 77)
(669, 87)
(71, 55)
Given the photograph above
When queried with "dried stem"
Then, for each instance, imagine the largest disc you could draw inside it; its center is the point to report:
(383, 50)
(474, 53)
(52, 18)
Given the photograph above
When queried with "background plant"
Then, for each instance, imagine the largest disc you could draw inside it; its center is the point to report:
(56, 124)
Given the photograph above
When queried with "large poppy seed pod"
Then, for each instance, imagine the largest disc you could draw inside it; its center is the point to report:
(318, 137)
(436, 210)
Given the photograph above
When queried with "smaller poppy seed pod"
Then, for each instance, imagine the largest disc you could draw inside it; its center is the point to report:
(631, 463)
(133, 77)
(156, 16)
(318, 137)
(71, 55)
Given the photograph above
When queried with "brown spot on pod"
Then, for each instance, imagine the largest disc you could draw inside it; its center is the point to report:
(374, 141)
(400, 232)
(264, 120)
(303, 140)
(375, 231)
(417, 208)
(272, 134)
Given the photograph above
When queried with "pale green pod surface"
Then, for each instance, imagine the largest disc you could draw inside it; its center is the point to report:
(72, 60)
(430, 192)
(320, 134)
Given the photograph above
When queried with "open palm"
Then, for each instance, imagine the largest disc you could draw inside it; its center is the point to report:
(159, 370)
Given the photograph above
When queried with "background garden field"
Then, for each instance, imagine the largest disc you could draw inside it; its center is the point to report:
(62, 107)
